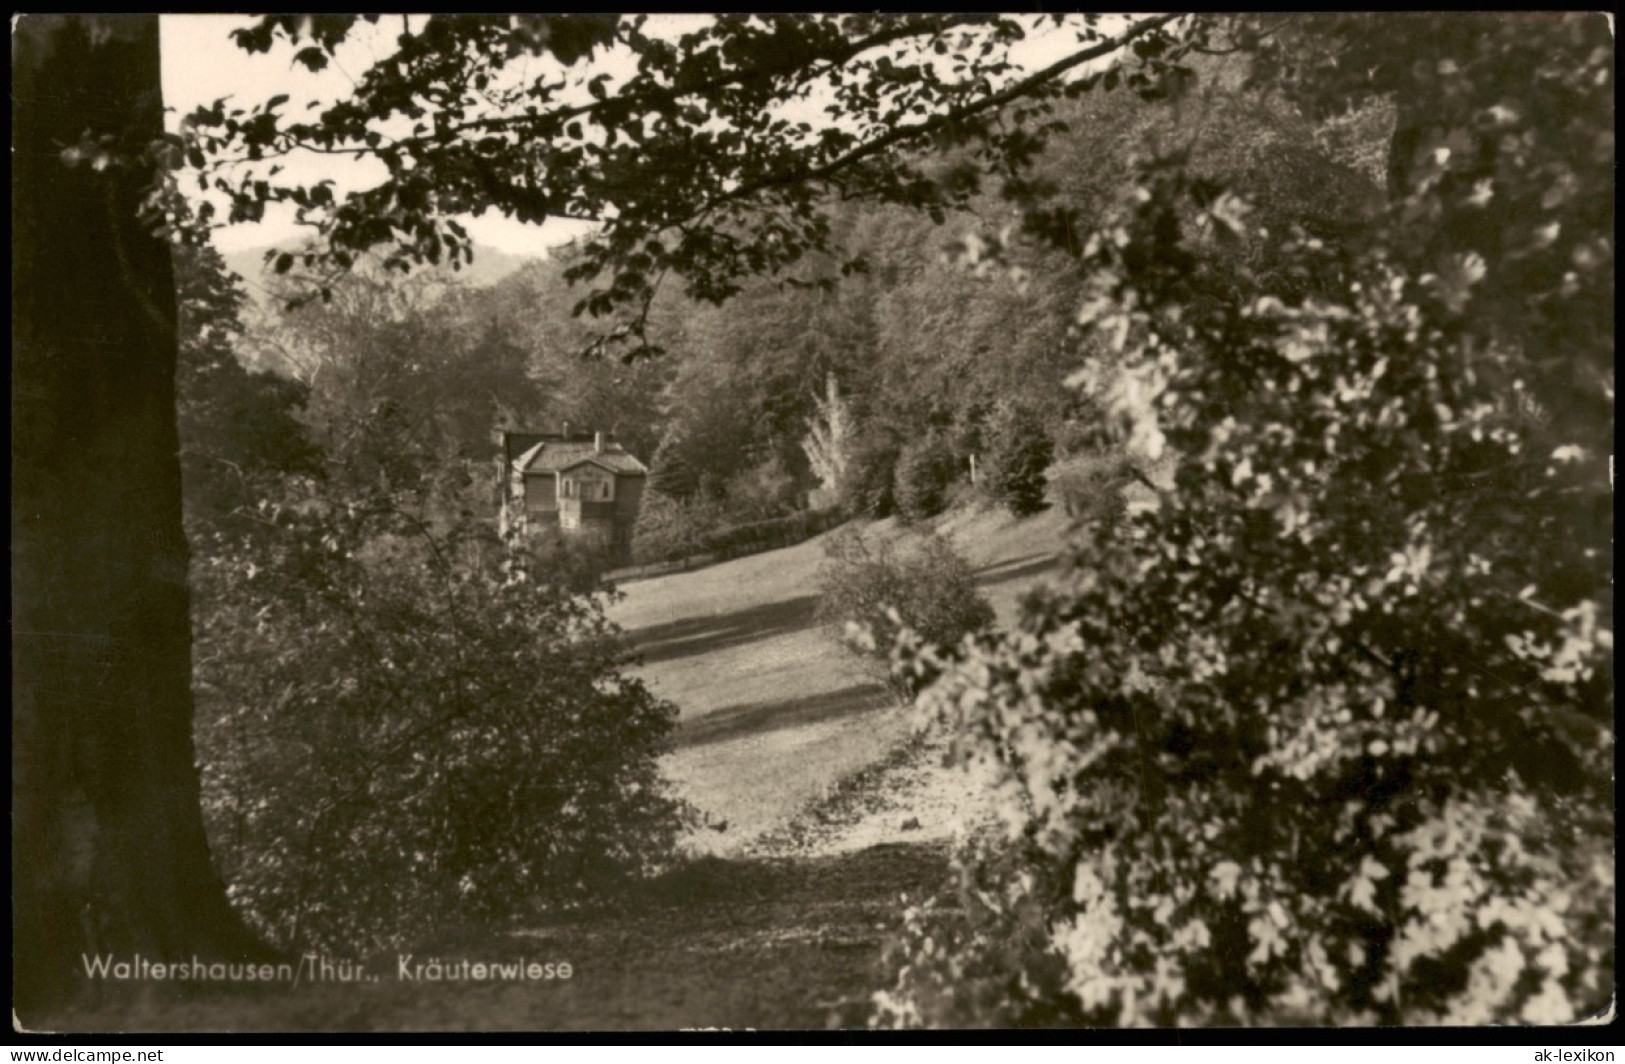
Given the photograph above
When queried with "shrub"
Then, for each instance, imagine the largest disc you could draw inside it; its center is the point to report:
(572, 562)
(387, 735)
(925, 470)
(668, 529)
(1096, 485)
(786, 531)
(1326, 736)
(1018, 451)
(676, 531)
(869, 590)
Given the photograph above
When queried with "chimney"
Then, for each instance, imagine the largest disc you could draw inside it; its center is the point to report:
(565, 432)
(598, 443)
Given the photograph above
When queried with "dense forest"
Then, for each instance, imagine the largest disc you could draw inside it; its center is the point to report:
(935, 360)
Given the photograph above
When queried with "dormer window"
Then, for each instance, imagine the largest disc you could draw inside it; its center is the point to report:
(589, 487)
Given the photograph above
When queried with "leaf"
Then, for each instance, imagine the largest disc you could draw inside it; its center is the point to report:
(312, 57)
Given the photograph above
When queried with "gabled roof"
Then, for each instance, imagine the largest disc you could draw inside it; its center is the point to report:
(554, 457)
(622, 463)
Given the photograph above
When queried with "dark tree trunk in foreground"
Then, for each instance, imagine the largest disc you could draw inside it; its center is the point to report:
(108, 849)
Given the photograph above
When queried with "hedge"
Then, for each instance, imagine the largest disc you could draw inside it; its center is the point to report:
(736, 541)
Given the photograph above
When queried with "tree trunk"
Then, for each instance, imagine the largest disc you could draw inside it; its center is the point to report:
(108, 848)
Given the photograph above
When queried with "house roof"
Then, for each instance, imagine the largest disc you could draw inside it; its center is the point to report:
(516, 443)
(557, 456)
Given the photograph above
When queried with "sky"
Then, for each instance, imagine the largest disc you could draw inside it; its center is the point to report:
(201, 64)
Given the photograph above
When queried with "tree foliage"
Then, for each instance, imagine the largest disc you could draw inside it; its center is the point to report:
(398, 714)
(669, 528)
(398, 370)
(872, 473)
(531, 310)
(397, 722)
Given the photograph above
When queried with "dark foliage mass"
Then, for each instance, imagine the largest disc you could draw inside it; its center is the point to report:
(670, 534)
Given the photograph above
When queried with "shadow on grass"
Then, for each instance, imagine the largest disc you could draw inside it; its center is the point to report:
(704, 635)
(749, 718)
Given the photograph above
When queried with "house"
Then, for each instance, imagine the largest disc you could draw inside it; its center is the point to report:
(585, 485)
